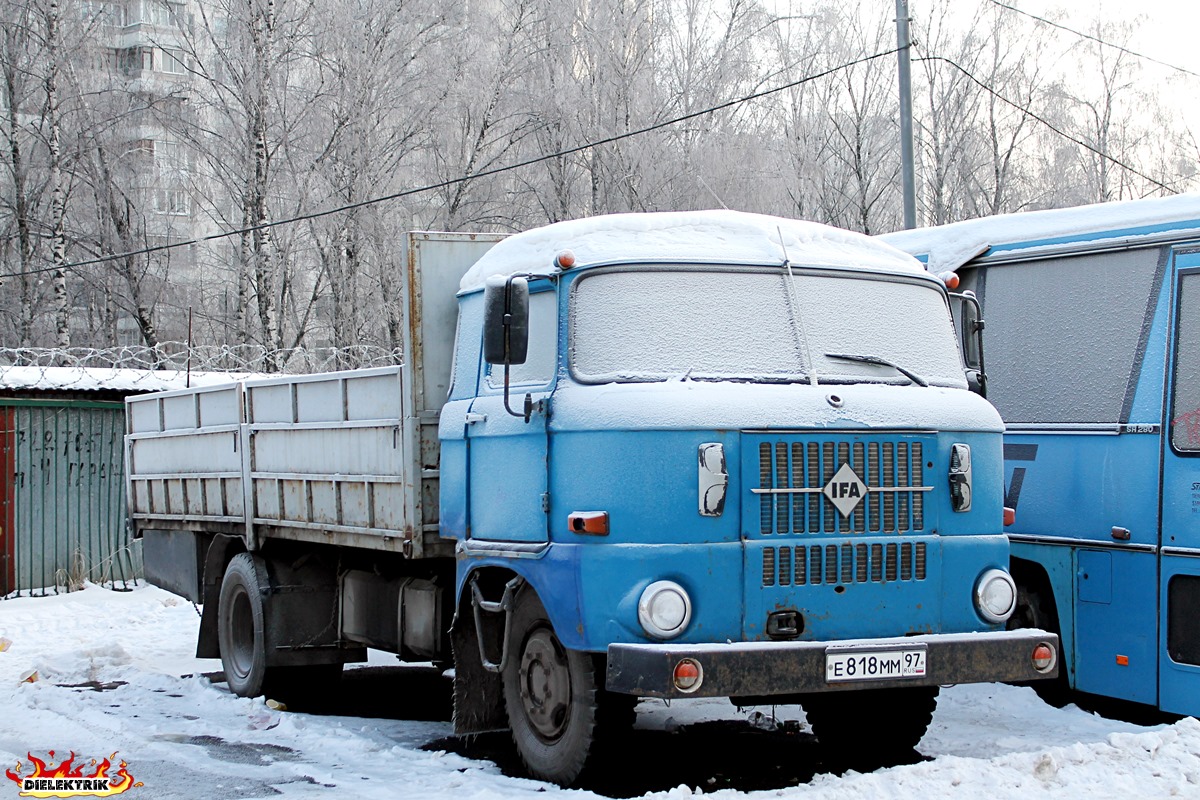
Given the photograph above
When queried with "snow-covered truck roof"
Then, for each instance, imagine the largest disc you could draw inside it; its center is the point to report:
(732, 237)
(948, 247)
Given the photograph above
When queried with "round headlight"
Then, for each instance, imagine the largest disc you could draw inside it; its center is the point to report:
(995, 595)
(664, 609)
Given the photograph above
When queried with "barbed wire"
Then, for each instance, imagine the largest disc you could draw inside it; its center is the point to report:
(179, 356)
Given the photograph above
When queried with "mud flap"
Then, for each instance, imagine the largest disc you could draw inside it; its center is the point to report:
(223, 548)
(478, 693)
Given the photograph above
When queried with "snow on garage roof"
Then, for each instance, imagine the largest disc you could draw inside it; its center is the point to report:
(950, 246)
(95, 379)
(723, 236)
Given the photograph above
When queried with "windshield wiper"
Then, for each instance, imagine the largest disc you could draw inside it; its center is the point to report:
(880, 362)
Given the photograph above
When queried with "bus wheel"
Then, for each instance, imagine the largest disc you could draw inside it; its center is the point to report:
(1036, 609)
(871, 727)
(241, 627)
(550, 696)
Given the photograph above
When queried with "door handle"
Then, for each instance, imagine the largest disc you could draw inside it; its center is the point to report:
(1120, 534)
(472, 417)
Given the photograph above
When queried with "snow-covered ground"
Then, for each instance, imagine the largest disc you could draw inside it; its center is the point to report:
(114, 672)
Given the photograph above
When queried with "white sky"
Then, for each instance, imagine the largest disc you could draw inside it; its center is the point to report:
(1164, 29)
(1167, 30)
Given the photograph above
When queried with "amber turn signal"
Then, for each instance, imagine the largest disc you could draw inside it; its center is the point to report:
(1010, 516)
(589, 522)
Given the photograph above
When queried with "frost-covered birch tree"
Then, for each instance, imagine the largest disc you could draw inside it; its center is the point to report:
(23, 187)
(250, 63)
(373, 59)
(859, 190)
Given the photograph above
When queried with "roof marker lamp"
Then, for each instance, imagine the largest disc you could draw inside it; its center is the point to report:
(950, 279)
(564, 260)
(664, 610)
(995, 596)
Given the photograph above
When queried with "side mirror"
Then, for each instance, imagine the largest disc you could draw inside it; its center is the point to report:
(506, 320)
(971, 339)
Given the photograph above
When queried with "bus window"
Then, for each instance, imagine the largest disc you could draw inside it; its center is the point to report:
(1062, 334)
(1185, 399)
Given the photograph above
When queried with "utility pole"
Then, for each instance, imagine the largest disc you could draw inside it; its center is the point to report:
(907, 172)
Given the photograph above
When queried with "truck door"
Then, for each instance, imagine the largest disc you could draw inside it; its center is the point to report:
(508, 457)
(1179, 553)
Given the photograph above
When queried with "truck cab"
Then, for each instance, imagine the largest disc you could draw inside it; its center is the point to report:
(738, 458)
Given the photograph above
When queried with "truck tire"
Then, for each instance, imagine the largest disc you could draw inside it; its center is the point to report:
(241, 627)
(871, 727)
(549, 696)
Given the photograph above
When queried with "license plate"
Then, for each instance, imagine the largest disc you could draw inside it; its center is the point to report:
(873, 664)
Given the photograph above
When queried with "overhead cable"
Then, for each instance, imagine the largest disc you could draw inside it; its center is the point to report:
(1095, 39)
(1025, 110)
(75, 265)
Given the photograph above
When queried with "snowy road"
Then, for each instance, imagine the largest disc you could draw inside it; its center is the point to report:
(108, 669)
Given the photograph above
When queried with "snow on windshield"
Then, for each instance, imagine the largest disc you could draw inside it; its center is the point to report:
(663, 323)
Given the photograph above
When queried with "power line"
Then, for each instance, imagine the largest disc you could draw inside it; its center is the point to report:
(1047, 123)
(74, 266)
(1095, 39)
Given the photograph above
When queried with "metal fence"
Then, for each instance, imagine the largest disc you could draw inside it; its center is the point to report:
(62, 496)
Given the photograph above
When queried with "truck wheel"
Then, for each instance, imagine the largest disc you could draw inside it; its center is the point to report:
(240, 627)
(871, 727)
(550, 696)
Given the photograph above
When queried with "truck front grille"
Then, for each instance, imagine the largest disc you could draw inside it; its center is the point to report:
(845, 563)
(893, 473)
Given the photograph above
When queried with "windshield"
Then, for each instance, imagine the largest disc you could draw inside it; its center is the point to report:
(663, 323)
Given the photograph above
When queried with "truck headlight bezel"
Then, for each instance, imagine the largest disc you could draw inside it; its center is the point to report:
(995, 596)
(664, 610)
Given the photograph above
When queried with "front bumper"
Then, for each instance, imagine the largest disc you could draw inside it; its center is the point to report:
(760, 669)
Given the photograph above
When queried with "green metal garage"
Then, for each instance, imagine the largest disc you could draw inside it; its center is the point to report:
(62, 495)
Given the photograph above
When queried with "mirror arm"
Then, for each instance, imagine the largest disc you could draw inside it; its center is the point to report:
(507, 318)
(976, 333)
(528, 399)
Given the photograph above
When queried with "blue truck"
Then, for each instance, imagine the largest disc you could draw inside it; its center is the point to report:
(1093, 334)
(704, 454)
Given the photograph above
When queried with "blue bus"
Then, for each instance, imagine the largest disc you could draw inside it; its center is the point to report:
(1093, 359)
